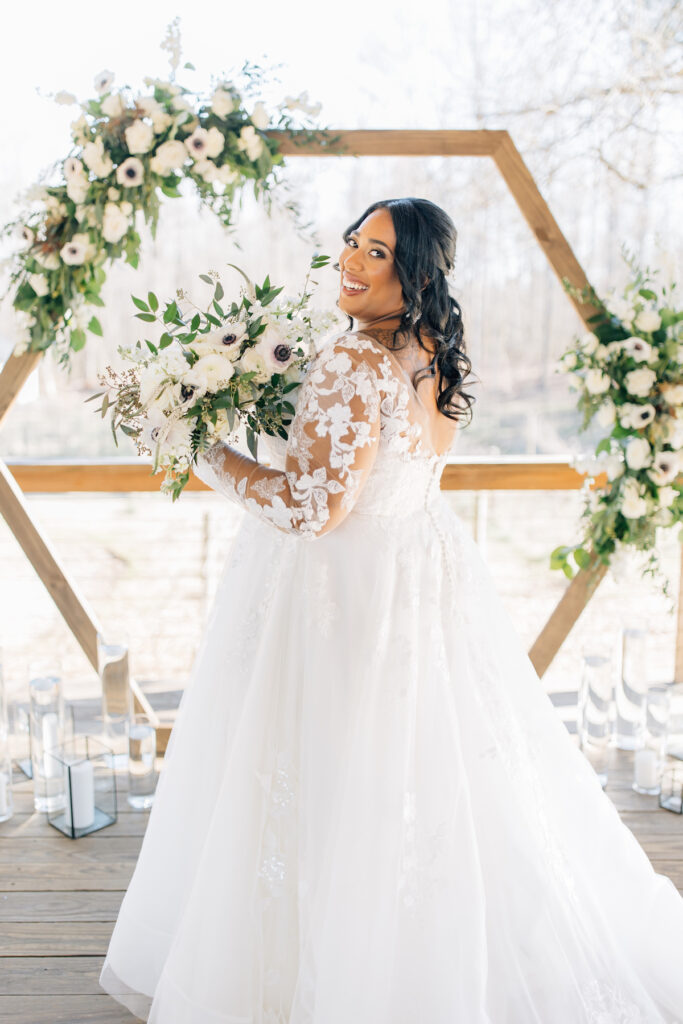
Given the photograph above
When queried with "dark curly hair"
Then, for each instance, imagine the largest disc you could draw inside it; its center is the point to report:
(425, 251)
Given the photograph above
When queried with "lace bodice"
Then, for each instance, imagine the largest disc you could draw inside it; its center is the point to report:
(356, 444)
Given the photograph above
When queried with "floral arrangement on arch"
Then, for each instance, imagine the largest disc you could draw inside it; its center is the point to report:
(129, 148)
(628, 371)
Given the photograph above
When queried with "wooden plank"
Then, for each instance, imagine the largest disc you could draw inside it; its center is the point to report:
(13, 376)
(545, 228)
(49, 1009)
(51, 975)
(23, 907)
(77, 614)
(48, 477)
(47, 938)
(390, 142)
(564, 616)
(26, 826)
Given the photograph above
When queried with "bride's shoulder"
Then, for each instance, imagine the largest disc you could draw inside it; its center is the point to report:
(361, 347)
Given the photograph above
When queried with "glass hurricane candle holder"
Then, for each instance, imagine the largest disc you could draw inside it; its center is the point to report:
(671, 795)
(88, 786)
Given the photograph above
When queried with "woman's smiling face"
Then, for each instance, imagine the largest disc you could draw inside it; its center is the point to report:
(370, 288)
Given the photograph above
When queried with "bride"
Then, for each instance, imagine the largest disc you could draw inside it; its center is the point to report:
(370, 811)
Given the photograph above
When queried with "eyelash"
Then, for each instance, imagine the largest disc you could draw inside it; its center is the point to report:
(350, 240)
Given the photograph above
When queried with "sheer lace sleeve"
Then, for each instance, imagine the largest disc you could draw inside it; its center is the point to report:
(331, 448)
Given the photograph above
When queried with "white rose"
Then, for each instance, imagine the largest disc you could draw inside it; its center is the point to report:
(222, 103)
(600, 354)
(97, 159)
(606, 414)
(675, 432)
(39, 284)
(250, 142)
(647, 321)
(80, 130)
(148, 105)
(664, 468)
(597, 382)
(215, 141)
(77, 189)
(216, 368)
(113, 194)
(614, 346)
(622, 309)
(227, 175)
(114, 223)
(626, 414)
(139, 137)
(666, 497)
(50, 261)
(169, 157)
(589, 342)
(253, 360)
(640, 382)
(161, 121)
(568, 362)
(127, 207)
(113, 105)
(151, 379)
(206, 169)
(672, 393)
(259, 116)
(65, 99)
(638, 453)
(633, 506)
(613, 465)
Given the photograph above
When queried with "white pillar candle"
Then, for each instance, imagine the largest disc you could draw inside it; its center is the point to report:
(646, 768)
(81, 795)
(4, 803)
(50, 728)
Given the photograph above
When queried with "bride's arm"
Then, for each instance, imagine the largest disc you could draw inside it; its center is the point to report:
(331, 447)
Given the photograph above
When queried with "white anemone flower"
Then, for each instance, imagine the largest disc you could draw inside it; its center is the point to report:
(665, 467)
(276, 352)
(639, 349)
(131, 172)
(103, 81)
(76, 251)
(197, 143)
(226, 340)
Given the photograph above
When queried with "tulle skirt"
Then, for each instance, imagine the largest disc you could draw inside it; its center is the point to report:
(371, 813)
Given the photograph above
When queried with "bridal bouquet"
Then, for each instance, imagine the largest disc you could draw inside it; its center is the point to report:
(211, 369)
(629, 374)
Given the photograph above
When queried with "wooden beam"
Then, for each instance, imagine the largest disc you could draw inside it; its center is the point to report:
(13, 376)
(134, 475)
(566, 613)
(390, 142)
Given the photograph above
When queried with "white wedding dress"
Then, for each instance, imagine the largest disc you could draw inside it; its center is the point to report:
(370, 811)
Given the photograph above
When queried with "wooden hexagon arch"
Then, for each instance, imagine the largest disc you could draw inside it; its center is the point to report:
(478, 143)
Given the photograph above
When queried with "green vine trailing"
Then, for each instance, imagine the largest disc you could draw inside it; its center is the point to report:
(628, 371)
(129, 150)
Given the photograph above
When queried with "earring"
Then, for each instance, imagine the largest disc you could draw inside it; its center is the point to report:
(335, 266)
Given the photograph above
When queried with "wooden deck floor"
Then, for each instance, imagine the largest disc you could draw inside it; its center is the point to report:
(59, 899)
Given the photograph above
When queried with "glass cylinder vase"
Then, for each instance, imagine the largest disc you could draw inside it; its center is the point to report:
(45, 726)
(6, 798)
(631, 690)
(649, 758)
(595, 701)
(117, 696)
